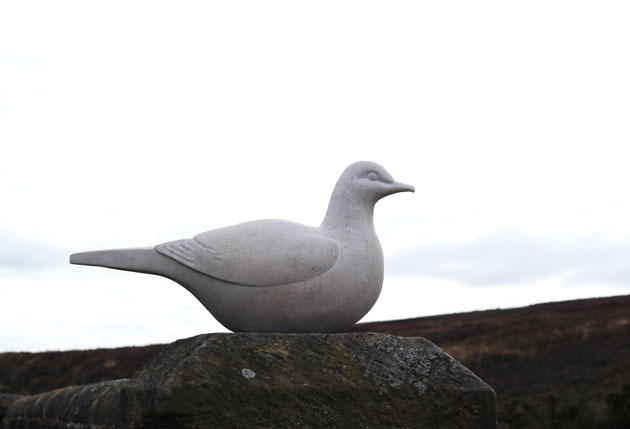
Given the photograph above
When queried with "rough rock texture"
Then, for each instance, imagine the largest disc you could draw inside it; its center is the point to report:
(276, 380)
(6, 400)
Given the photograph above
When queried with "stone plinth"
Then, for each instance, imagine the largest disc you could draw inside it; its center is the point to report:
(276, 380)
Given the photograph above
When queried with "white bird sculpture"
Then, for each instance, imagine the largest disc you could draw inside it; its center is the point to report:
(275, 275)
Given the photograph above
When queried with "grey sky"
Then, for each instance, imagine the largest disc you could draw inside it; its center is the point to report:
(516, 257)
(499, 258)
(130, 124)
(27, 254)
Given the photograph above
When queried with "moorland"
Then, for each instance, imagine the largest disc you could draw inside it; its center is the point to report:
(555, 365)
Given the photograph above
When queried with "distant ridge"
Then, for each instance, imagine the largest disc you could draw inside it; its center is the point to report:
(615, 301)
(551, 361)
(547, 362)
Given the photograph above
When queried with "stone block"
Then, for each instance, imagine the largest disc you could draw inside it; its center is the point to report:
(276, 380)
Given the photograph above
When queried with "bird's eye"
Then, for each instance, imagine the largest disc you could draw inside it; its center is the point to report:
(372, 176)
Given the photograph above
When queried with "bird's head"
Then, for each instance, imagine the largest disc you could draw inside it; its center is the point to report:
(370, 181)
(358, 189)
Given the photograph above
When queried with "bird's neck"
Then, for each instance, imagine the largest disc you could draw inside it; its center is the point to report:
(349, 213)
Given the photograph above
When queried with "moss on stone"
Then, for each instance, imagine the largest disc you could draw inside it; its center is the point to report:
(279, 380)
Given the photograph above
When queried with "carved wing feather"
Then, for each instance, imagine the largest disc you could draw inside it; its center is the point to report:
(259, 253)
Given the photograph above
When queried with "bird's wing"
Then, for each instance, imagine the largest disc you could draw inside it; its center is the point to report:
(259, 253)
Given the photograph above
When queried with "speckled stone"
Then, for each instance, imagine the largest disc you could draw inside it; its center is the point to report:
(276, 380)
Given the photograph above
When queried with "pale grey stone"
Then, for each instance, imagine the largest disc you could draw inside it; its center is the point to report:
(275, 275)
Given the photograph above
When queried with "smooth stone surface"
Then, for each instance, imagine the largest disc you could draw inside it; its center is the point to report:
(276, 380)
(276, 275)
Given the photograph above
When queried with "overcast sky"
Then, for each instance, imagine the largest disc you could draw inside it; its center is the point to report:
(128, 124)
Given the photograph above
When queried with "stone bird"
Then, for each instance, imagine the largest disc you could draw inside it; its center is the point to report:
(275, 275)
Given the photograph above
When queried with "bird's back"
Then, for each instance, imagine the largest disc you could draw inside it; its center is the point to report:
(258, 253)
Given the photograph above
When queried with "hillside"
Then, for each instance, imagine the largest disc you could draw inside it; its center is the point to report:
(552, 365)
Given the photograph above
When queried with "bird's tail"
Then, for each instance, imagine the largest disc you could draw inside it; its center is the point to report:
(138, 259)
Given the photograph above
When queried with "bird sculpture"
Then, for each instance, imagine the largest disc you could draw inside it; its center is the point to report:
(275, 275)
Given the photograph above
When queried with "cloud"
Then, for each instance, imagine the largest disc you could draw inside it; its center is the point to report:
(515, 257)
(26, 254)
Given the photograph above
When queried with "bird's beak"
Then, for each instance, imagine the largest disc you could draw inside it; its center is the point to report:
(401, 187)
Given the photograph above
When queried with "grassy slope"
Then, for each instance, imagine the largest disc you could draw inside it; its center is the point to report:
(577, 352)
